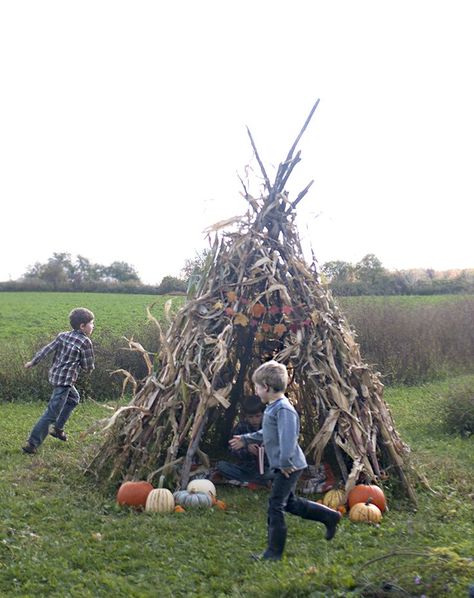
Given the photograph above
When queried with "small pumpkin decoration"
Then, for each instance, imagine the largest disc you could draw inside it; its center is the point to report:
(366, 512)
(220, 504)
(342, 510)
(279, 329)
(258, 310)
(179, 509)
(193, 500)
(241, 319)
(334, 498)
(134, 494)
(362, 492)
(202, 486)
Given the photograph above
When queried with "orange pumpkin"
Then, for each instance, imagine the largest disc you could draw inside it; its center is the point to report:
(220, 504)
(179, 509)
(134, 494)
(362, 493)
(342, 510)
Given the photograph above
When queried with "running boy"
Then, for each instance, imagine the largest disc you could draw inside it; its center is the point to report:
(73, 351)
(280, 431)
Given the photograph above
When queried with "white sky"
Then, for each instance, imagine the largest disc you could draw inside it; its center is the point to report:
(122, 126)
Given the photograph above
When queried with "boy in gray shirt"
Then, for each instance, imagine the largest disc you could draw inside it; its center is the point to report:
(279, 434)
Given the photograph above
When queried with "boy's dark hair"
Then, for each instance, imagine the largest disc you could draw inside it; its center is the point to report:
(252, 405)
(80, 315)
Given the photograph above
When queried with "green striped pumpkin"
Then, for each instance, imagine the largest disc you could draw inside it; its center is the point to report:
(160, 500)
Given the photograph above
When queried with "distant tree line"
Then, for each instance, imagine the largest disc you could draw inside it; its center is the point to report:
(63, 273)
(369, 277)
(366, 277)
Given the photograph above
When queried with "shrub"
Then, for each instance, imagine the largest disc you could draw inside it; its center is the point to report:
(459, 411)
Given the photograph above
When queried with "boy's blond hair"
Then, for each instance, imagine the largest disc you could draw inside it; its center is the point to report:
(272, 374)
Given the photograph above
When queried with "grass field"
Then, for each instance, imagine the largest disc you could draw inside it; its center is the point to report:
(407, 339)
(31, 315)
(59, 536)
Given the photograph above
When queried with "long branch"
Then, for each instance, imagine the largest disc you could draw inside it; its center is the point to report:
(289, 157)
(262, 167)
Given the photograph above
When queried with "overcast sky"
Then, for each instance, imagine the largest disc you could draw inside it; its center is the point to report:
(122, 126)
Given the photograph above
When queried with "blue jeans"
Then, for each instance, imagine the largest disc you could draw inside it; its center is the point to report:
(247, 472)
(63, 400)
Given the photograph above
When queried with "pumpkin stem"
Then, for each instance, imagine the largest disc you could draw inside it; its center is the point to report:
(161, 481)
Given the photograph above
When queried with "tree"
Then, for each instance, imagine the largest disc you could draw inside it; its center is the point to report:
(57, 270)
(61, 270)
(338, 271)
(369, 269)
(122, 272)
(83, 270)
(196, 265)
(171, 284)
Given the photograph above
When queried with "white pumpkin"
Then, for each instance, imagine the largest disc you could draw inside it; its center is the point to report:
(160, 500)
(205, 486)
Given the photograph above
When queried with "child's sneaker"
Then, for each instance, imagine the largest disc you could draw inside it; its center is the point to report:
(29, 448)
(59, 434)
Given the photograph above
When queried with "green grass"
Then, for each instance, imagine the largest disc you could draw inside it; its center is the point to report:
(50, 515)
(32, 315)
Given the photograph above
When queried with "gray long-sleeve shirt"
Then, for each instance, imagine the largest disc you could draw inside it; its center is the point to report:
(279, 433)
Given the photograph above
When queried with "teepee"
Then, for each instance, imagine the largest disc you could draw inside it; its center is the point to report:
(257, 299)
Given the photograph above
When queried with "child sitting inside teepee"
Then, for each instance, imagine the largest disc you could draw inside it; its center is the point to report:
(249, 465)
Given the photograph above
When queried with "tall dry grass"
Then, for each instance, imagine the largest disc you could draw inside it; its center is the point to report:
(414, 341)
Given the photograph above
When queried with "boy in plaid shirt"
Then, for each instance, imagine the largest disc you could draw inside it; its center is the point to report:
(73, 352)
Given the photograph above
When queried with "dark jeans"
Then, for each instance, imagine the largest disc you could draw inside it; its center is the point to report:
(247, 472)
(63, 400)
(282, 498)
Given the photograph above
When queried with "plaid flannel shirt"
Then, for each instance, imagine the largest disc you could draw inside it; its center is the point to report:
(73, 351)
